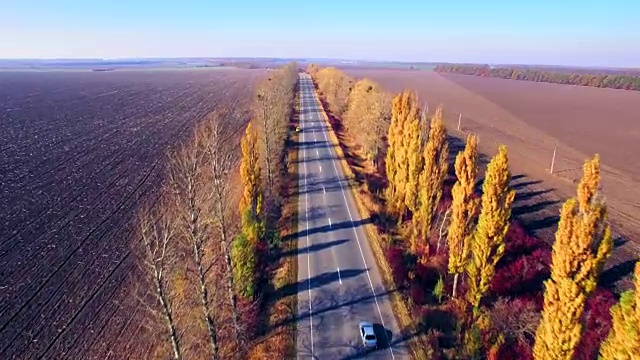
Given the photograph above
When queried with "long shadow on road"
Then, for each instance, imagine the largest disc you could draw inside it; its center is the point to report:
(314, 248)
(317, 281)
(327, 228)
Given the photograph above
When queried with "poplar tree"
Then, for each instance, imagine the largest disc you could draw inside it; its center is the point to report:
(404, 107)
(487, 245)
(464, 208)
(623, 342)
(431, 179)
(415, 161)
(244, 245)
(583, 243)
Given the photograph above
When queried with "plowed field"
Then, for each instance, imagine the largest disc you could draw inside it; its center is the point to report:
(79, 150)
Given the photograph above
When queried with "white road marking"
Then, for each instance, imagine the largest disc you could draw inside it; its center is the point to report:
(320, 166)
(359, 246)
(329, 222)
(306, 201)
(317, 153)
(339, 277)
(324, 191)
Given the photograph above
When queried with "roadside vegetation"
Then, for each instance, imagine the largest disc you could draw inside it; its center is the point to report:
(471, 283)
(571, 77)
(210, 245)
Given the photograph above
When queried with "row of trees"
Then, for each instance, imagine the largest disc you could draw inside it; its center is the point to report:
(628, 82)
(201, 265)
(416, 169)
(362, 105)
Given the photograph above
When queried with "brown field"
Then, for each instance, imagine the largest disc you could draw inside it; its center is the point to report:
(533, 118)
(79, 152)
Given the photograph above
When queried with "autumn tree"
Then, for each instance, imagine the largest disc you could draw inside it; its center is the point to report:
(335, 86)
(415, 140)
(272, 111)
(367, 117)
(464, 209)
(251, 213)
(623, 342)
(187, 170)
(404, 110)
(583, 243)
(158, 256)
(220, 161)
(432, 177)
(487, 245)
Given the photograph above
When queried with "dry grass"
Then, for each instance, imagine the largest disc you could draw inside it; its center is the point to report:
(367, 205)
(279, 342)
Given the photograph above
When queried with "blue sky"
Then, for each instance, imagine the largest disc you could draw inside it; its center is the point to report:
(602, 33)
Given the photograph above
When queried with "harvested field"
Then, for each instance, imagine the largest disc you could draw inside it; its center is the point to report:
(533, 118)
(79, 152)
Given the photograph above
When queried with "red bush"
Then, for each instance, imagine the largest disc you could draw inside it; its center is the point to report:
(524, 275)
(518, 242)
(597, 320)
(512, 351)
(397, 263)
(417, 293)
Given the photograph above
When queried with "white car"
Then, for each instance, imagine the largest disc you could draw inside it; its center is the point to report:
(367, 335)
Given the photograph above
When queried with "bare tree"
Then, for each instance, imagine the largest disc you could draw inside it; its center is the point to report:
(220, 160)
(157, 255)
(186, 180)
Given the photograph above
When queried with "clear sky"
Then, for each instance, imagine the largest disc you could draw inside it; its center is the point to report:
(602, 33)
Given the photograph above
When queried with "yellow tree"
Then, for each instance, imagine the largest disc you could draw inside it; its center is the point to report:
(623, 342)
(251, 201)
(403, 108)
(487, 245)
(583, 243)
(415, 160)
(464, 208)
(431, 179)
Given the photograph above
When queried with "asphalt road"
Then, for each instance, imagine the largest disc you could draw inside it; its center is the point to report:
(339, 284)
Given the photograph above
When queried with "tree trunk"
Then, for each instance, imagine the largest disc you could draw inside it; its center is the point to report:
(204, 300)
(229, 267)
(455, 285)
(168, 316)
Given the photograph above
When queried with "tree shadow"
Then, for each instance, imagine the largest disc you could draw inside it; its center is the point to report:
(533, 226)
(531, 208)
(314, 283)
(329, 185)
(313, 248)
(328, 228)
(613, 275)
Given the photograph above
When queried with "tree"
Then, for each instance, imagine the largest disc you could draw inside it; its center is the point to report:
(367, 117)
(220, 159)
(158, 255)
(404, 109)
(432, 178)
(464, 209)
(186, 179)
(416, 163)
(583, 243)
(245, 245)
(487, 246)
(335, 86)
(623, 342)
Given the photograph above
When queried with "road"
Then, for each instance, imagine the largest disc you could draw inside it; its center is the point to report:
(339, 284)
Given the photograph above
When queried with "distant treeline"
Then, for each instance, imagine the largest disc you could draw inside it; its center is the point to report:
(570, 77)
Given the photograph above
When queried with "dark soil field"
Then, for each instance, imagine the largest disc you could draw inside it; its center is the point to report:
(532, 119)
(79, 151)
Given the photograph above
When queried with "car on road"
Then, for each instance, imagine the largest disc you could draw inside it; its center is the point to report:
(367, 335)
(297, 129)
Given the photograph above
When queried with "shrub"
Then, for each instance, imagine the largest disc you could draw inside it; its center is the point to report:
(397, 263)
(518, 242)
(517, 320)
(525, 274)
